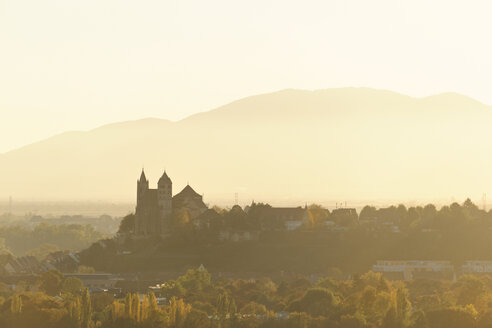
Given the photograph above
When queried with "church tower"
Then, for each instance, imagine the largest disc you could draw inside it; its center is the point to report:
(142, 188)
(165, 200)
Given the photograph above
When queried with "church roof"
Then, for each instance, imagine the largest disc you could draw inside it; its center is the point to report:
(187, 192)
(142, 176)
(188, 198)
(164, 179)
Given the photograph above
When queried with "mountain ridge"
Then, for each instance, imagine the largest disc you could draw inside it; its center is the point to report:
(118, 124)
(346, 142)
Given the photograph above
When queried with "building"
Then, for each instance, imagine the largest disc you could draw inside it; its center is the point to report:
(64, 261)
(408, 270)
(95, 281)
(280, 218)
(344, 216)
(155, 207)
(482, 267)
(11, 265)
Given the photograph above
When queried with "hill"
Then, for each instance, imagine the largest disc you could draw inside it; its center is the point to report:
(289, 146)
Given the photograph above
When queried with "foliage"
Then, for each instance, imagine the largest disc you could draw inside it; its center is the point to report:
(366, 301)
(42, 251)
(73, 286)
(127, 224)
(51, 282)
(46, 238)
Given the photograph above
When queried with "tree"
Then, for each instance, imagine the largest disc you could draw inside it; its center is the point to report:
(127, 224)
(197, 319)
(367, 300)
(236, 218)
(419, 320)
(144, 309)
(128, 306)
(401, 213)
(51, 282)
(178, 312)
(316, 302)
(73, 285)
(136, 307)
(429, 214)
(470, 289)
(390, 320)
(42, 251)
(413, 217)
(368, 213)
(100, 301)
(454, 317)
(194, 280)
(86, 314)
(232, 308)
(222, 306)
(115, 311)
(16, 304)
(318, 214)
(327, 283)
(180, 219)
(283, 289)
(152, 302)
(254, 308)
(403, 306)
(428, 302)
(310, 220)
(172, 288)
(75, 312)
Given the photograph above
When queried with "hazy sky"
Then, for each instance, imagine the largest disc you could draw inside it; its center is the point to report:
(69, 64)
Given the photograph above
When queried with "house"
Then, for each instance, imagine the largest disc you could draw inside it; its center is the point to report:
(95, 281)
(408, 270)
(283, 218)
(63, 261)
(477, 267)
(344, 216)
(11, 265)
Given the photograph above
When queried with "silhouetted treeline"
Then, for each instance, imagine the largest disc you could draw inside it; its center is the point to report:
(456, 233)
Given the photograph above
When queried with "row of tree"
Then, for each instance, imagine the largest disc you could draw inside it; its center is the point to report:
(195, 300)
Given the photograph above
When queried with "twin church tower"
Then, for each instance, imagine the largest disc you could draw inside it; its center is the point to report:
(155, 207)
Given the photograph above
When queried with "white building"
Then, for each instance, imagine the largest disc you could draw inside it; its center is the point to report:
(410, 269)
(477, 267)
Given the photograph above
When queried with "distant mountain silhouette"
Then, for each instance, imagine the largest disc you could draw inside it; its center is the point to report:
(286, 146)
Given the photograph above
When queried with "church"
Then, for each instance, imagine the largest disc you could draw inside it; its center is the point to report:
(155, 207)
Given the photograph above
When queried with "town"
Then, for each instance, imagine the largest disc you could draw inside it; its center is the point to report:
(173, 240)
